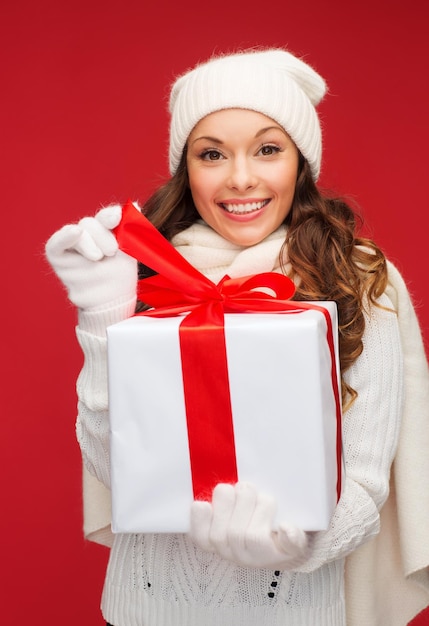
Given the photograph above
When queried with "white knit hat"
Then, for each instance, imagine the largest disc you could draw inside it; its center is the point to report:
(273, 82)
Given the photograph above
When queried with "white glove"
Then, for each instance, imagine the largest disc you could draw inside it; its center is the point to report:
(86, 258)
(237, 525)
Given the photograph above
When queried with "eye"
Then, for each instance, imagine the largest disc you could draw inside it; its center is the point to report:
(268, 149)
(211, 155)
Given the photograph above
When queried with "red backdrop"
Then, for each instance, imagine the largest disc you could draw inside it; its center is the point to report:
(84, 88)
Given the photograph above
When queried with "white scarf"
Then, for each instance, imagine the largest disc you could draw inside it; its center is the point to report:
(387, 579)
(214, 256)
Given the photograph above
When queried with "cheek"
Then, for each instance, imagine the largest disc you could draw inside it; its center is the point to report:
(197, 192)
(202, 187)
(287, 188)
(194, 178)
(200, 197)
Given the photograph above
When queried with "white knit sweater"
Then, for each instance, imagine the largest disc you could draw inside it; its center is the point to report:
(165, 580)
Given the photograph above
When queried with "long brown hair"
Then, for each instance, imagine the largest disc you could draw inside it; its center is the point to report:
(328, 260)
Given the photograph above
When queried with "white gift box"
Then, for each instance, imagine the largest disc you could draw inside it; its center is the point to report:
(284, 417)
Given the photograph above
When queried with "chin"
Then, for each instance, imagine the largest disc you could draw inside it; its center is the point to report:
(245, 240)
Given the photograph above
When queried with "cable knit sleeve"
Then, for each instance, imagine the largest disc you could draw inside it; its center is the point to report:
(92, 426)
(370, 437)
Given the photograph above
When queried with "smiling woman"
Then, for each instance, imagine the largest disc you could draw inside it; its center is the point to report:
(242, 172)
(245, 155)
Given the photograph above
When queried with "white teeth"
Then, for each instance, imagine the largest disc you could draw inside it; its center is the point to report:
(247, 207)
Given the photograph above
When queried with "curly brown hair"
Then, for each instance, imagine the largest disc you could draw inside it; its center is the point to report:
(328, 260)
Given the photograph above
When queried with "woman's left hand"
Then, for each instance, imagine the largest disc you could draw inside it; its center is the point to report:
(238, 524)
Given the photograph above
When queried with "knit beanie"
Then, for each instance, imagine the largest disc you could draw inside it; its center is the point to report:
(273, 82)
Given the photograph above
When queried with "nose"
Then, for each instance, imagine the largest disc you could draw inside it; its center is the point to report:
(241, 174)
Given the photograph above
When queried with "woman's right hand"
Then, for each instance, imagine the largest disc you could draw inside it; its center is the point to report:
(86, 258)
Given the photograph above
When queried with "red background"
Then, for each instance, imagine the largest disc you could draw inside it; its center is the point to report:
(84, 88)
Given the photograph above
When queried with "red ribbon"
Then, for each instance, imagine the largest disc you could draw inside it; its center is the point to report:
(180, 288)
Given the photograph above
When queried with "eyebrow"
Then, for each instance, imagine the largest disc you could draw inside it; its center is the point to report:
(207, 138)
(258, 134)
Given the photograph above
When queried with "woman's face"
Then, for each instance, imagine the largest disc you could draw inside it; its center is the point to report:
(242, 170)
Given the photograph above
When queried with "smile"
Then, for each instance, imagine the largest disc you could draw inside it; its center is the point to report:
(247, 207)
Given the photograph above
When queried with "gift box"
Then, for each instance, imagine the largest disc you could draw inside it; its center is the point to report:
(286, 426)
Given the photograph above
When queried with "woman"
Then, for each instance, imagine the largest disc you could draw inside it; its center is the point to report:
(245, 154)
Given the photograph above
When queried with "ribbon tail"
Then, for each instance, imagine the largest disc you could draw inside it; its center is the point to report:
(140, 239)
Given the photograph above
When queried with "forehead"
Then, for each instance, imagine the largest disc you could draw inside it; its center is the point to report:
(225, 119)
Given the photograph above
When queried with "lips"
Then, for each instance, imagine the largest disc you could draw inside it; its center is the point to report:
(243, 208)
